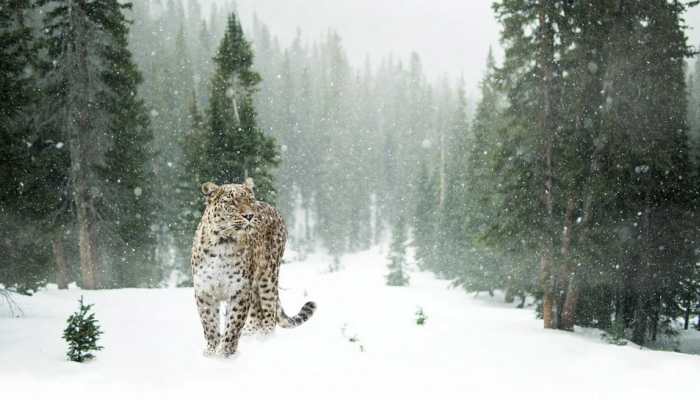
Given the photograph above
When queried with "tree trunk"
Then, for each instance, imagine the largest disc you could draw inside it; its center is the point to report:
(88, 247)
(568, 315)
(59, 257)
(547, 287)
(655, 324)
(569, 312)
(639, 329)
(83, 142)
(687, 315)
(642, 282)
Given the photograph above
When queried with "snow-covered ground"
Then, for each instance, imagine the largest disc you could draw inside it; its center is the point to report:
(469, 347)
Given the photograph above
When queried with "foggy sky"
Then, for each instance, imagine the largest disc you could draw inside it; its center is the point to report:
(452, 36)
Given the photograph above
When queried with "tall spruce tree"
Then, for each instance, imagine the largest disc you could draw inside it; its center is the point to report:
(33, 161)
(488, 266)
(92, 88)
(235, 147)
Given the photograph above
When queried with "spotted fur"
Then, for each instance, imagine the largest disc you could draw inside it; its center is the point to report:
(236, 254)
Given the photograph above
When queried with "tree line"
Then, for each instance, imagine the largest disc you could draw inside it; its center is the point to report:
(107, 148)
(573, 180)
(578, 183)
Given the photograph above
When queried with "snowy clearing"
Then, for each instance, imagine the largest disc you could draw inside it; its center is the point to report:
(468, 347)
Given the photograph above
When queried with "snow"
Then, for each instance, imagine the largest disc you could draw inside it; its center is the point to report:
(468, 347)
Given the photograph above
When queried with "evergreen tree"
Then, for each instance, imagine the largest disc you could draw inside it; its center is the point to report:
(397, 256)
(92, 87)
(33, 161)
(235, 147)
(82, 333)
(489, 266)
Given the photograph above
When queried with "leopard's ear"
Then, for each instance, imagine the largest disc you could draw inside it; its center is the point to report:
(249, 183)
(209, 188)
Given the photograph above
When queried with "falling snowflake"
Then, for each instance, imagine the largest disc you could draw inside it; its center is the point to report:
(592, 67)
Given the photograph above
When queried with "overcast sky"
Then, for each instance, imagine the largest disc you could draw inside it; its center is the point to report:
(452, 36)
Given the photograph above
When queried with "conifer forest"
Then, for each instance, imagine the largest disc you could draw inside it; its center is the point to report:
(565, 182)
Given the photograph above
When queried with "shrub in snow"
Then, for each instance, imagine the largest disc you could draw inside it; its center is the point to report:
(82, 334)
(420, 316)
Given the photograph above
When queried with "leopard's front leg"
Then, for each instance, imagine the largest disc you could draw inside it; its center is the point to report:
(236, 313)
(254, 321)
(209, 315)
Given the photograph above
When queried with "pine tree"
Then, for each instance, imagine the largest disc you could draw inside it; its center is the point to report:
(489, 266)
(92, 87)
(33, 161)
(235, 147)
(14, 153)
(532, 178)
(82, 333)
(397, 255)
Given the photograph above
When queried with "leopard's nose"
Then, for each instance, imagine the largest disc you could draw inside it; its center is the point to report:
(249, 217)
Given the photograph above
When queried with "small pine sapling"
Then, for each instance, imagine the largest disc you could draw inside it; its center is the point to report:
(420, 316)
(82, 333)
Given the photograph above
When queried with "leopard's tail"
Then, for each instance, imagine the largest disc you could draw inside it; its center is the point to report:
(290, 322)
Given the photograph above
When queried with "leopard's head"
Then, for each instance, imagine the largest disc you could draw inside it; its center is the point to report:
(230, 208)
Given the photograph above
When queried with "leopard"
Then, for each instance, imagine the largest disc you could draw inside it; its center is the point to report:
(236, 255)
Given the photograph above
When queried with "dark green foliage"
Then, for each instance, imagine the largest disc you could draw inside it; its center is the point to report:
(92, 89)
(129, 199)
(82, 333)
(234, 147)
(33, 158)
(397, 256)
(591, 162)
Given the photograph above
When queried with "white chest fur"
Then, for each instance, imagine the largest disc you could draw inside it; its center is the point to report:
(220, 272)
